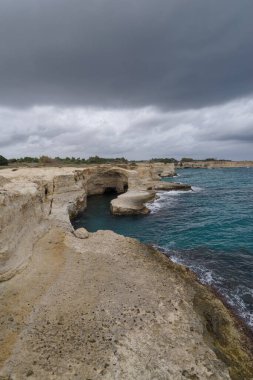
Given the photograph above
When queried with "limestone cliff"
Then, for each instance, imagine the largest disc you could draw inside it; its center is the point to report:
(214, 164)
(31, 199)
(103, 307)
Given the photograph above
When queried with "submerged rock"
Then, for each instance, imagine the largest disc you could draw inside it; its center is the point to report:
(169, 186)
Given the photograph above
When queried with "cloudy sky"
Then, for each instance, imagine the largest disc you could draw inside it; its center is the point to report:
(140, 79)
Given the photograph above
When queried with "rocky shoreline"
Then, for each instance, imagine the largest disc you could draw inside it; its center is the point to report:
(103, 307)
(213, 164)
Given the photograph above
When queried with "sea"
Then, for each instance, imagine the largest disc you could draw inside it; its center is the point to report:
(209, 229)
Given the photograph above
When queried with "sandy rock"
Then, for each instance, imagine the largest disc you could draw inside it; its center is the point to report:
(81, 233)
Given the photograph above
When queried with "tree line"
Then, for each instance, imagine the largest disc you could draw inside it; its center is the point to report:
(43, 160)
(46, 160)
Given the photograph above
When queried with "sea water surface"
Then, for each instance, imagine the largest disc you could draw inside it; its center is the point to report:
(208, 229)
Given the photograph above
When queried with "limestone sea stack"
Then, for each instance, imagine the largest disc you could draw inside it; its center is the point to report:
(132, 202)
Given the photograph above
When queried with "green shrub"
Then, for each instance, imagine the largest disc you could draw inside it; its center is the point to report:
(3, 161)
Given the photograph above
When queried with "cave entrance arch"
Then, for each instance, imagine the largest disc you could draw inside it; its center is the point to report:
(113, 180)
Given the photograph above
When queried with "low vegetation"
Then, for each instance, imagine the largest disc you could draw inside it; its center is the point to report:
(164, 160)
(3, 161)
(46, 160)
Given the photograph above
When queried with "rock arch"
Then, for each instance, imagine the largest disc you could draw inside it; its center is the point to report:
(110, 179)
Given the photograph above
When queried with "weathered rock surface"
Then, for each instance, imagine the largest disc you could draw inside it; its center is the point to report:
(81, 233)
(142, 184)
(32, 199)
(106, 307)
(148, 173)
(109, 307)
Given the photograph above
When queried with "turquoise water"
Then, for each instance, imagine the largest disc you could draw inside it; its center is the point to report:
(209, 229)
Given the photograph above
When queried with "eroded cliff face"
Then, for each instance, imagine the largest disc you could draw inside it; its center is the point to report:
(148, 173)
(31, 201)
(34, 199)
(23, 208)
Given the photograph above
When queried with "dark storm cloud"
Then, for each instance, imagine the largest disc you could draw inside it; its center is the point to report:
(174, 54)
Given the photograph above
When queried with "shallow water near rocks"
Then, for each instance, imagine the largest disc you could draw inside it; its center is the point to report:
(209, 229)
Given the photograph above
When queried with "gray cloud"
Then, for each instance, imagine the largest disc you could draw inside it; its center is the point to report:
(126, 78)
(173, 54)
(223, 131)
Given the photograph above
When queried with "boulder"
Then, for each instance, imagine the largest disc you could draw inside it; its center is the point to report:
(81, 233)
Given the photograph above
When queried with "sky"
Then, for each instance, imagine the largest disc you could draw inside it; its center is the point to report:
(139, 79)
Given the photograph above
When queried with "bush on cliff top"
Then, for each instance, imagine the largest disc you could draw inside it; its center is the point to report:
(3, 161)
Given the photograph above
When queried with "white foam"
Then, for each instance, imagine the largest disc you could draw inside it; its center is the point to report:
(175, 259)
(154, 206)
(233, 297)
(165, 199)
(176, 192)
(197, 189)
(207, 277)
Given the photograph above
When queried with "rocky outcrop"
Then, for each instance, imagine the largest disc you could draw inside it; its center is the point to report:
(105, 307)
(123, 177)
(148, 173)
(105, 178)
(163, 170)
(23, 207)
(32, 199)
(132, 202)
(169, 186)
(142, 184)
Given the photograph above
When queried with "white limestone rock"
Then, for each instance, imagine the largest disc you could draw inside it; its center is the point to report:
(81, 233)
(132, 203)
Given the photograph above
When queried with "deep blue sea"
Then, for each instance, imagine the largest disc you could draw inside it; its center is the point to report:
(209, 229)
